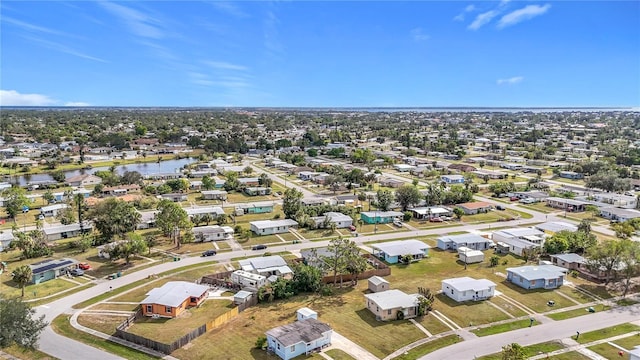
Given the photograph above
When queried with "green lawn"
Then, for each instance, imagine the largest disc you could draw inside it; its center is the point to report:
(606, 350)
(118, 307)
(507, 306)
(535, 299)
(496, 329)
(166, 330)
(468, 313)
(62, 326)
(429, 347)
(337, 354)
(572, 355)
(628, 342)
(576, 312)
(433, 325)
(25, 354)
(529, 351)
(106, 324)
(576, 295)
(607, 333)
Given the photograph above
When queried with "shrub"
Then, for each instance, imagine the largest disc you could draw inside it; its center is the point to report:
(407, 216)
(261, 342)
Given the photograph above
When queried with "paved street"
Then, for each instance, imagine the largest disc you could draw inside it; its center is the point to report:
(528, 336)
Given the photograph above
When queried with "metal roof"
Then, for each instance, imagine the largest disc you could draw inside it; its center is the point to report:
(464, 239)
(174, 293)
(466, 283)
(402, 247)
(304, 331)
(267, 224)
(393, 299)
(536, 272)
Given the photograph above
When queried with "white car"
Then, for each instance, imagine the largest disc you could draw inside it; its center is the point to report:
(527, 200)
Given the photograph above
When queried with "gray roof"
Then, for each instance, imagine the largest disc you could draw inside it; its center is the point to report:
(535, 272)
(567, 201)
(619, 212)
(570, 258)
(199, 210)
(212, 229)
(393, 299)
(53, 207)
(267, 224)
(174, 293)
(304, 331)
(66, 228)
(519, 232)
(242, 294)
(51, 264)
(377, 280)
(464, 239)
(466, 283)
(265, 263)
(402, 247)
(556, 226)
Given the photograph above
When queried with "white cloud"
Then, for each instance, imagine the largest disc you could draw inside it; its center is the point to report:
(469, 8)
(526, 13)
(510, 81)
(14, 98)
(31, 27)
(139, 24)
(418, 35)
(483, 19)
(229, 8)
(76, 104)
(225, 65)
(63, 48)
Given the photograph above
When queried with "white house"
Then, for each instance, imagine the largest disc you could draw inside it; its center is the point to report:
(386, 305)
(202, 210)
(519, 239)
(471, 241)
(618, 214)
(268, 227)
(341, 220)
(212, 233)
(465, 289)
(6, 237)
(52, 210)
(552, 227)
(267, 266)
(470, 256)
(248, 280)
(298, 338)
(58, 232)
(392, 251)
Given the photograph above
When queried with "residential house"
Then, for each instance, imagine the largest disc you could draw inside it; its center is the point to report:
(269, 227)
(257, 191)
(321, 178)
(380, 217)
(552, 227)
(430, 211)
(511, 166)
(346, 199)
(471, 241)
(452, 179)
(214, 195)
(307, 175)
(569, 261)
(618, 200)
(475, 207)
(50, 269)
(212, 233)
(6, 237)
(537, 276)
(242, 297)
(52, 233)
(390, 182)
(377, 284)
(120, 190)
(519, 240)
(569, 205)
(341, 220)
(267, 266)
(312, 202)
(386, 305)
(247, 280)
(249, 181)
(254, 208)
(634, 354)
(466, 288)
(618, 214)
(462, 167)
(403, 167)
(571, 175)
(175, 197)
(147, 219)
(83, 180)
(299, 338)
(491, 174)
(213, 211)
(393, 251)
(470, 256)
(173, 298)
(52, 210)
(534, 195)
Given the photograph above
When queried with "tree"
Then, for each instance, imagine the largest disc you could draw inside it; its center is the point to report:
(114, 217)
(58, 176)
(83, 243)
(14, 201)
(22, 276)
(247, 170)
(261, 342)
(336, 262)
(208, 183)
(265, 180)
(605, 257)
(494, 260)
(307, 278)
(513, 351)
(66, 216)
(134, 245)
(425, 302)
(385, 198)
(222, 219)
(556, 245)
(594, 210)
(291, 203)
(355, 264)
(408, 195)
(458, 212)
(171, 219)
(151, 241)
(585, 226)
(630, 262)
(131, 177)
(18, 325)
(48, 197)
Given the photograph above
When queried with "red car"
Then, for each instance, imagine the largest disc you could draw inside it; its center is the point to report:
(84, 266)
(435, 219)
(514, 198)
(352, 228)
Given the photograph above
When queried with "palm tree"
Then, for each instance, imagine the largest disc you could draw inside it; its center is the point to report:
(22, 276)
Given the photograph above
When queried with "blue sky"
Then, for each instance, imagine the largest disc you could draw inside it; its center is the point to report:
(320, 54)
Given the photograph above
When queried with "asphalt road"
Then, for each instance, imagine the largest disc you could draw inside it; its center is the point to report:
(470, 349)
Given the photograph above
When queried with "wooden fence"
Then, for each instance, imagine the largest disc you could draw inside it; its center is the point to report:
(381, 269)
(121, 332)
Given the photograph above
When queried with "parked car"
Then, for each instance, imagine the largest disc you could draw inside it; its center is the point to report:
(259, 247)
(514, 198)
(527, 200)
(76, 272)
(435, 219)
(84, 266)
(500, 207)
(209, 253)
(397, 223)
(352, 228)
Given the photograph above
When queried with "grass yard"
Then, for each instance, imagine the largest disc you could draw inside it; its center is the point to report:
(606, 350)
(628, 342)
(25, 354)
(238, 197)
(576, 312)
(62, 326)
(626, 302)
(607, 333)
(337, 354)
(104, 323)
(531, 350)
(235, 340)
(507, 306)
(575, 294)
(139, 294)
(572, 355)
(535, 299)
(468, 313)
(497, 329)
(33, 291)
(433, 325)
(429, 347)
(117, 307)
(168, 330)
(540, 207)
(258, 239)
